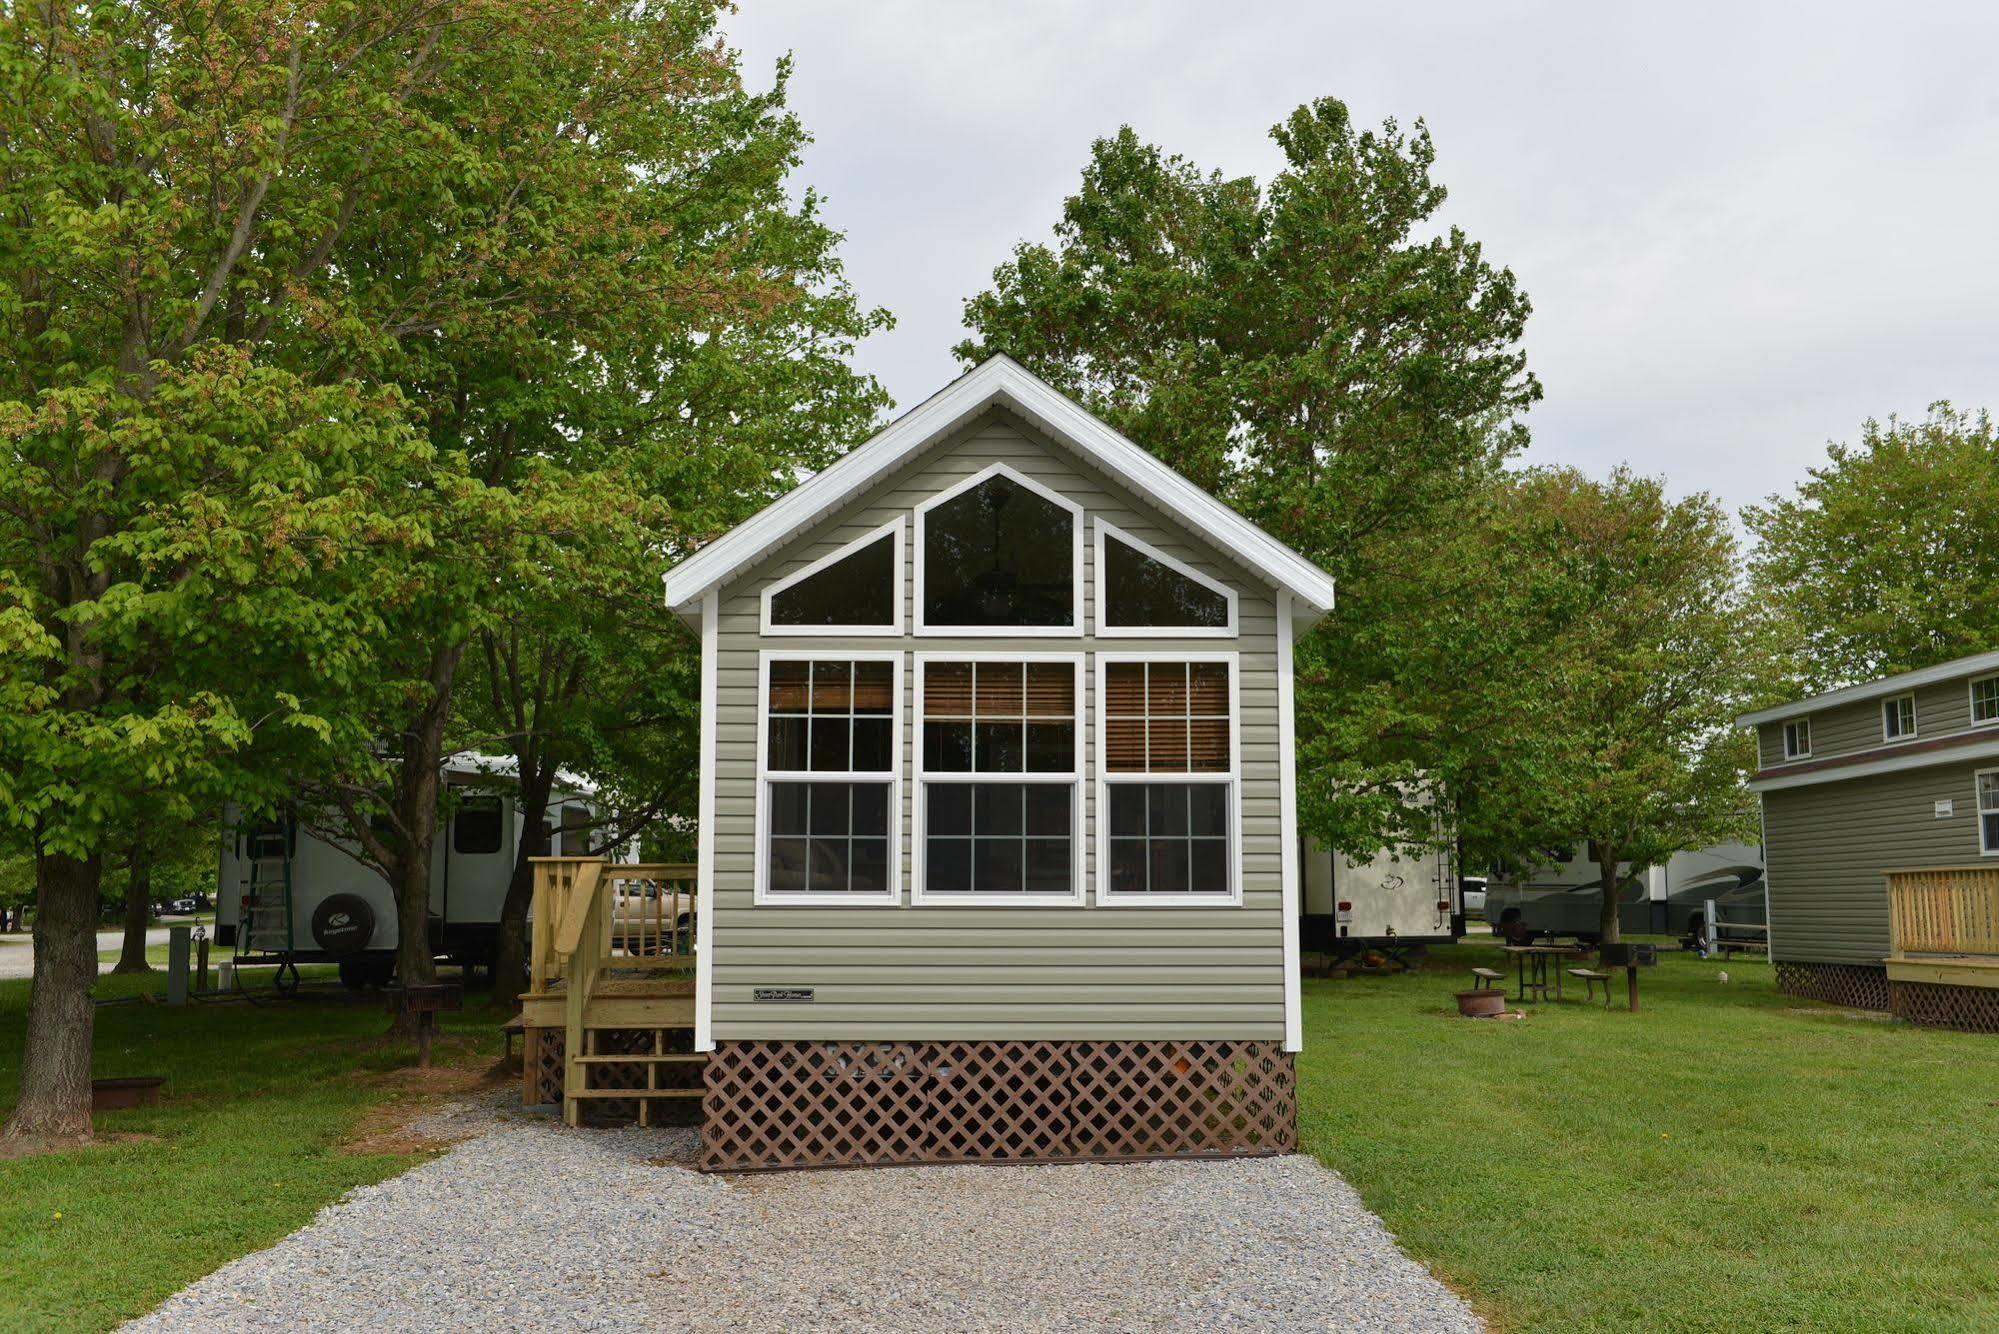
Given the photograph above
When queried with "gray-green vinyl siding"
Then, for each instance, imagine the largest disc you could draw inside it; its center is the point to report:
(1002, 972)
(1828, 845)
(1941, 709)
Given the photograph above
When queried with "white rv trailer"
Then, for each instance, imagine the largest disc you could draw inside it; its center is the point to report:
(287, 895)
(1564, 898)
(1395, 899)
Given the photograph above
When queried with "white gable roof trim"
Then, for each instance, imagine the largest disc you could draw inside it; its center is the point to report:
(1000, 382)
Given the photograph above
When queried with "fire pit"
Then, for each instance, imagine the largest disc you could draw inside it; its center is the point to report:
(1482, 1004)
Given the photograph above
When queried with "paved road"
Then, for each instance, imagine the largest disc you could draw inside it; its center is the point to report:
(17, 952)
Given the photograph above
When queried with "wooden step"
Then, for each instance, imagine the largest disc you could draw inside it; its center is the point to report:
(637, 1093)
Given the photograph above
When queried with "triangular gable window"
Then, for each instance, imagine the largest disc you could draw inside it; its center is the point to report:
(855, 590)
(1143, 591)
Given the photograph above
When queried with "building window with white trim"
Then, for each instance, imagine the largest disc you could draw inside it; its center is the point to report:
(1988, 811)
(1142, 591)
(1985, 700)
(830, 801)
(1168, 771)
(1898, 718)
(855, 590)
(999, 553)
(998, 777)
(1797, 738)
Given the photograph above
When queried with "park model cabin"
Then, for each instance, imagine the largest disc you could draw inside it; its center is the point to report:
(998, 849)
(1881, 829)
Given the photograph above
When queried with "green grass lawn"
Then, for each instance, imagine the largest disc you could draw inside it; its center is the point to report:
(1727, 1158)
(244, 1147)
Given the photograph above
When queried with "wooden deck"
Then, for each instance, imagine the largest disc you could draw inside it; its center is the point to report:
(1943, 926)
(608, 1017)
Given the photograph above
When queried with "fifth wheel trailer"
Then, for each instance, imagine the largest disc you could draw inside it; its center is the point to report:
(1398, 897)
(287, 895)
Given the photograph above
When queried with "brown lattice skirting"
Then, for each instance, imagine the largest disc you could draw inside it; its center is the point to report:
(1967, 1009)
(851, 1104)
(1858, 985)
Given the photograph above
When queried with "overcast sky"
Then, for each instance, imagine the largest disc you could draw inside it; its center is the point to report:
(1744, 229)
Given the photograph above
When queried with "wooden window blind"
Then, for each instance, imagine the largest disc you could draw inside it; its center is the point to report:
(1166, 717)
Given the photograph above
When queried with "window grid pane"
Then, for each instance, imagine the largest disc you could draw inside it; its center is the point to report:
(1167, 717)
(830, 717)
(999, 717)
(828, 838)
(1985, 700)
(999, 838)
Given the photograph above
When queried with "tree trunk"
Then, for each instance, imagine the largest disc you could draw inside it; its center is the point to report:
(55, 1055)
(138, 908)
(510, 950)
(417, 789)
(1606, 868)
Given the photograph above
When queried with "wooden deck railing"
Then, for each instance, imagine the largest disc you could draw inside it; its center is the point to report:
(634, 916)
(1944, 910)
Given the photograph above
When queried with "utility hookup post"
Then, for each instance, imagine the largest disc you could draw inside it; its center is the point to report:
(177, 954)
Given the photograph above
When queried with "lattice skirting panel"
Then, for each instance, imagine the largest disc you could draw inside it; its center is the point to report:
(1858, 985)
(1968, 1009)
(850, 1104)
(541, 1066)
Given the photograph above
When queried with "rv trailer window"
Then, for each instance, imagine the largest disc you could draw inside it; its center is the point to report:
(831, 753)
(576, 831)
(1898, 718)
(1168, 781)
(1988, 812)
(998, 553)
(1000, 766)
(858, 589)
(1797, 739)
(476, 828)
(1141, 589)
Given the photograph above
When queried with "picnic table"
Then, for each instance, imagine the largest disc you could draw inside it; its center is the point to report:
(1531, 963)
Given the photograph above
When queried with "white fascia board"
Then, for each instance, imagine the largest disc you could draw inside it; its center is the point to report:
(1000, 381)
(1887, 685)
(1776, 782)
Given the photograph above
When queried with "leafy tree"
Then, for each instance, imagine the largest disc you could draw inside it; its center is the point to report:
(1632, 743)
(1317, 354)
(228, 228)
(1884, 561)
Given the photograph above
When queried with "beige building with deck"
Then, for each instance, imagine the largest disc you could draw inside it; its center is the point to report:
(1881, 837)
(998, 851)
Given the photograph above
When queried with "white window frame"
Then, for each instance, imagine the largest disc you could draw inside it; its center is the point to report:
(1978, 804)
(1894, 701)
(1073, 630)
(1105, 630)
(1785, 738)
(1971, 700)
(895, 528)
(919, 846)
(1106, 897)
(761, 893)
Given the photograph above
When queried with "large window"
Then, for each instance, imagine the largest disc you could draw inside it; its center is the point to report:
(998, 552)
(1797, 738)
(856, 590)
(1988, 811)
(1142, 591)
(1168, 771)
(1898, 718)
(998, 771)
(829, 813)
(1985, 700)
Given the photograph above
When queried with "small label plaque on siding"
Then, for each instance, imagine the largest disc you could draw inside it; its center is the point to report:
(792, 994)
(1946, 808)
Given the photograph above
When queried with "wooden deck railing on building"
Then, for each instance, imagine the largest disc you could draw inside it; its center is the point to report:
(1944, 910)
(607, 931)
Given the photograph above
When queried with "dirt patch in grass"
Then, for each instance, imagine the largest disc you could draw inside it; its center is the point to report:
(1832, 1012)
(410, 1095)
(33, 1147)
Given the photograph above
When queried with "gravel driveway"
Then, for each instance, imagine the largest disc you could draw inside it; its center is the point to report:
(529, 1225)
